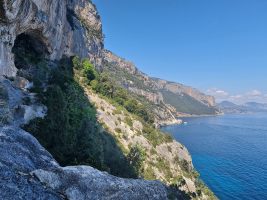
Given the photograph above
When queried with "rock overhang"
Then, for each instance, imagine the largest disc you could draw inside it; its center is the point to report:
(47, 20)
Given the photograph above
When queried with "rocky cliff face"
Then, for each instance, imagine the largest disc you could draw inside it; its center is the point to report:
(61, 26)
(178, 88)
(158, 84)
(171, 99)
(28, 171)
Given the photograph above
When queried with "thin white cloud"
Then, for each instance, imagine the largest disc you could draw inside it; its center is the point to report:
(217, 93)
(239, 96)
(222, 95)
(254, 93)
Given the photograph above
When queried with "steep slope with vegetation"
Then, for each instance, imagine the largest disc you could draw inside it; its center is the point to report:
(151, 153)
(167, 100)
(128, 145)
(80, 113)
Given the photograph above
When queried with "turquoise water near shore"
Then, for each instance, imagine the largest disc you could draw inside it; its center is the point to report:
(230, 152)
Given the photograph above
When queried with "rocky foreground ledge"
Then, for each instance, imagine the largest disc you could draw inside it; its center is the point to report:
(28, 171)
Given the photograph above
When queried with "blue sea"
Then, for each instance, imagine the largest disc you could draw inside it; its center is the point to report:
(230, 153)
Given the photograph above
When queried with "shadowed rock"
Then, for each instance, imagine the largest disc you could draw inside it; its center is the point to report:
(28, 171)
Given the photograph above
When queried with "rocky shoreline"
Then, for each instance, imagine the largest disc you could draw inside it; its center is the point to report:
(168, 123)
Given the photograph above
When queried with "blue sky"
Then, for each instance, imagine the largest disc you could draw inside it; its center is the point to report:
(217, 46)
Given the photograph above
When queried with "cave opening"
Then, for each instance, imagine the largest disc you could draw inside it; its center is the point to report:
(2, 11)
(29, 49)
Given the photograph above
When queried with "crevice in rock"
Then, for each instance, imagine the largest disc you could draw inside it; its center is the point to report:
(4, 112)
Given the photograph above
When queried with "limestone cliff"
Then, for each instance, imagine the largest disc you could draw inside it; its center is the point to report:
(170, 100)
(61, 26)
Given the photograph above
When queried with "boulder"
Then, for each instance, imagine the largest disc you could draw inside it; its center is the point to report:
(28, 171)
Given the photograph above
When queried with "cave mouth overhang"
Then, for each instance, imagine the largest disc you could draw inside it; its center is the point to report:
(2, 12)
(29, 48)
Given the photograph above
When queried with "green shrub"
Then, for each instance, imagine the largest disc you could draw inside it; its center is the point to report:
(77, 62)
(149, 173)
(136, 158)
(116, 112)
(125, 136)
(86, 67)
(138, 132)
(118, 130)
(196, 175)
(129, 121)
(202, 188)
(164, 167)
(153, 151)
(89, 70)
(155, 136)
(184, 165)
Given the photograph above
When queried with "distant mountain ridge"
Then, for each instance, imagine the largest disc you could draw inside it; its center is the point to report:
(249, 107)
(167, 99)
(255, 105)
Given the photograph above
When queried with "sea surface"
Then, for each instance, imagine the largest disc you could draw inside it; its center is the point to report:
(230, 153)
